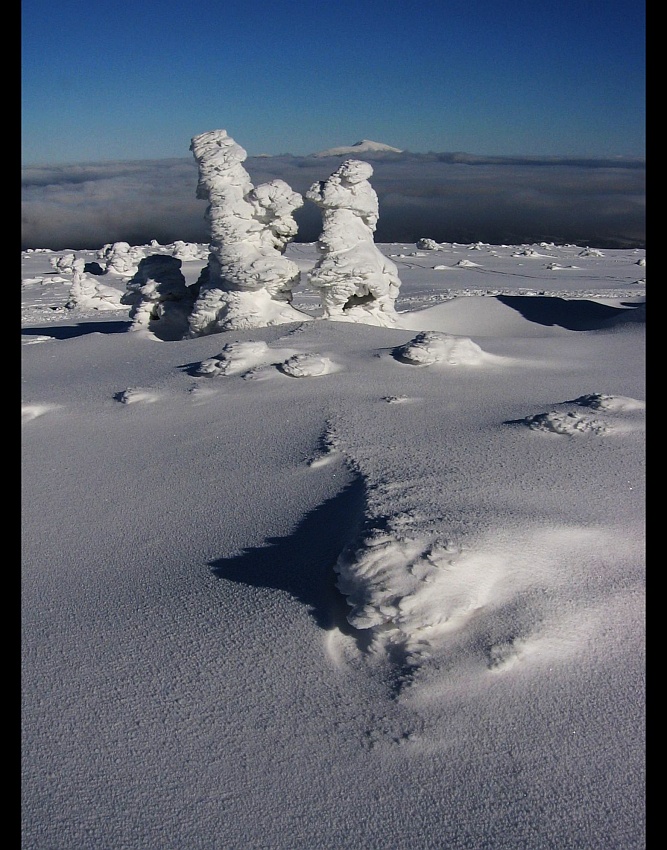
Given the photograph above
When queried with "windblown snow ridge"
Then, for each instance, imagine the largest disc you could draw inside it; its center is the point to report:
(431, 569)
(403, 579)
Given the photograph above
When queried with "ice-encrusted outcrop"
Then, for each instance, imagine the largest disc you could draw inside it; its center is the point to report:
(249, 281)
(357, 283)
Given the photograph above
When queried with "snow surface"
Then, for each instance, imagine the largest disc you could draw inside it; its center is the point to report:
(335, 584)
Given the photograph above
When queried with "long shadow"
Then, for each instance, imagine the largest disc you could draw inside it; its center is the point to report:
(574, 314)
(302, 564)
(71, 331)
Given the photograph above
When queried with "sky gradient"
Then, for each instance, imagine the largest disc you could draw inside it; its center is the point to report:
(130, 81)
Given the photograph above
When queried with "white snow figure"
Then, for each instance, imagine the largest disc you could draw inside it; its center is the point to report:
(357, 282)
(249, 281)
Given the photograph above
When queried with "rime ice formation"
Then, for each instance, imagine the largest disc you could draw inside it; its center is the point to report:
(249, 280)
(357, 283)
(121, 257)
(273, 205)
(64, 263)
(158, 294)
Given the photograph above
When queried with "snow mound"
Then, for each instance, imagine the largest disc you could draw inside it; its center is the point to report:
(306, 366)
(236, 358)
(431, 347)
(626, 415)
(428, 244)
(567, 422)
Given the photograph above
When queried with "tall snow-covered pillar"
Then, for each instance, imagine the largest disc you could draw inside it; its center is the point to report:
(249, 282)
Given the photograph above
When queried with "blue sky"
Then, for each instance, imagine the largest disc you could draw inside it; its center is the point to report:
(136, 80)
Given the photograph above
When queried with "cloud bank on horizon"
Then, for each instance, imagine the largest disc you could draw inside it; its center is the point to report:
(455, 197)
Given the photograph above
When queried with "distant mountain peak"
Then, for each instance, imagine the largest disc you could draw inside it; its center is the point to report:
(364, 146)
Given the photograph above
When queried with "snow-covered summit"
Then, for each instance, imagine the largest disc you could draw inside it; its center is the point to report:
(364, 146)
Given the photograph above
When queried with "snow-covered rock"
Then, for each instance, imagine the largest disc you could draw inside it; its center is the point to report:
(356, 281)
(306, 365)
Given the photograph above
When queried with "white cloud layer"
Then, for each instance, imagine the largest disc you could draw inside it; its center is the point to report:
(446, 197)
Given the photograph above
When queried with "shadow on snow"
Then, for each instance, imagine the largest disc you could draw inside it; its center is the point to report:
(302, 563)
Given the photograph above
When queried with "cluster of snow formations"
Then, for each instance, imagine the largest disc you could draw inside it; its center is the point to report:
(249, 280)
(86, 293)
(357, 283)
(249, 357)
